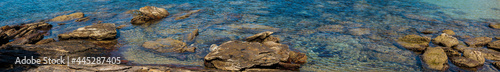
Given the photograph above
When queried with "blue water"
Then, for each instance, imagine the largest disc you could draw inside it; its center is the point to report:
(296, 23)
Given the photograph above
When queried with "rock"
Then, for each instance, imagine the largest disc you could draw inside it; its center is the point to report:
(359, 31)
(237, 55)
(498, 38)
(445, 40)
(140, 19)
(331, 28)
(494, 45)
(191, 36)
(414, 42)
(486, 53)
(474, 55)
(107, 68)
(251, 28)
(168, 45)
(82, 19)
(450, 52)
(97, 32)
(30, 39)
(121, 26)
(45, 41)
(19, 31)
(72, 48)
(61, 23)
(187, 14)
(68, 17)
(465, 62)
(496, 64)
(154, 12)
(435, 58)
(478, 41)
(297, 57)
(428, 31)
(449, 32)
(262, 37)
(495, 25)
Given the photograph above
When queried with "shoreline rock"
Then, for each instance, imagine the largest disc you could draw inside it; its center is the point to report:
(414, 42)
(494, 45)
(96, 32)
(149, 13)
(445, 40)
(68, 17)
(435, 58)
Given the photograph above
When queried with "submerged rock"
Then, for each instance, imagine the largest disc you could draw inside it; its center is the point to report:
(445, 40)
(97, 32)
(258, 51)
(168, 45)
(465, 62)
(435, 58)
(478, 41)
(187, 14)
(359, 31)
(414, 42)
(251, 28)
(494, 45)
(68, 17)
(495, 25)
(331, 28)
(449, 32)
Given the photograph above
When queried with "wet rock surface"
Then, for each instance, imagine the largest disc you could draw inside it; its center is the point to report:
(465, 62)
(494, 45)
(495, 25)
(68, 17)
(100, 31)
(435, 58)
(45, 41)
(449, 32)
(107, 68)
(359, 31)
(149, 13)
(474, 55)
(168, 45)
(478, 41)
(496, 64)
(414, 42)
(445, 40)
(238, 55)
(331, 28)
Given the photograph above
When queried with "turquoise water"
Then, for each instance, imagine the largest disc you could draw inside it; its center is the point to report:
(297, 23)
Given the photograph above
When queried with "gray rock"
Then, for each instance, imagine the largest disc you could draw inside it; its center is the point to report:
(97, 32)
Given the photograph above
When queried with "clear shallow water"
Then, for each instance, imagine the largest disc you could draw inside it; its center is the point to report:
(296, 23)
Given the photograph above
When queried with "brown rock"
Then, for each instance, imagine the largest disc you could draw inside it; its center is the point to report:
(494, 45)
(168, 45)
(450, 52)
(68, 17)
(97, 32)
(495, 25)
(474, 55)
(45, 41)
(140, 19)
(445, 40)
(192, 35)
(262, 37)
(187, 14)
(496, 64)
(331, 28)
(478, 41)
(82, 19)
(359, 31)
(435, 58)
(414, 42)
(297, 57)
(449, 32)
(121, 26)
(154, 12)
(465, 62)
(498, 38)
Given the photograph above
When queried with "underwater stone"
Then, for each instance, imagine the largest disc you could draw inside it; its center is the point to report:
(465, 62)
(168, 45)
(97, 32)
(68, 17)
(445, 40)
(435, 58)
(331, 28)
(478, 41)
(494, 45)
(359, 31)
(414, 42)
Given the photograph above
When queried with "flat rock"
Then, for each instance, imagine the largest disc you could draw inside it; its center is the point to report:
(474, 55)
(495, 25)
(435, 58)
(331, 28)
(97, 32)
(494, 45)
(262, 37)
(154, 12)
(359, 31)
(45, 41)
(187, 14)
(465, 62)
(449, 32)
(445, 40)
(478, 41)
(68, 17)
(414, 42)
(167, 45)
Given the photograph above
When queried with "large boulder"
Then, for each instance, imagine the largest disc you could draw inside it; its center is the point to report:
(478, 41)
(97, 32)
(168, 45)
(494, 45)
(445, 40)
(435, 58)
(68, 17)
(414, 42)
(258, 51)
